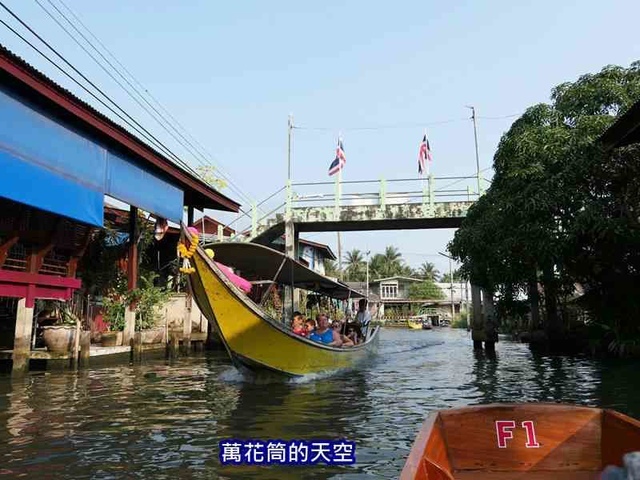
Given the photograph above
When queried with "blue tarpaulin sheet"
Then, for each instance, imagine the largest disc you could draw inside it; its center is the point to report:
(36, 186)
(51, 166)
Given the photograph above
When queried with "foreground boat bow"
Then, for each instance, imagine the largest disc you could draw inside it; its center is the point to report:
(524, 441)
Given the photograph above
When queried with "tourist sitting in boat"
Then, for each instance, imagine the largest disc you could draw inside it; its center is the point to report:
(346, 341)
(324, 334)
(352, 334)
(310, 326)
(297, 324)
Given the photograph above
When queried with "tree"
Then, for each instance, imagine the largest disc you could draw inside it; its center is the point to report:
(388, 264)
(428, 270)
(355, 266)
(425, 290)
(331, 268)
(555, 212)
(208, 174)
(457, 277)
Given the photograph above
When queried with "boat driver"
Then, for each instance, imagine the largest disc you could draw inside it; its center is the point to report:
(324, 334)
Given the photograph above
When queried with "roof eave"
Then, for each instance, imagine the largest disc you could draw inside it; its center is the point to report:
(197, 193)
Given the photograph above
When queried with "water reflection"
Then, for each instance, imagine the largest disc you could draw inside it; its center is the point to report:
(164, 419)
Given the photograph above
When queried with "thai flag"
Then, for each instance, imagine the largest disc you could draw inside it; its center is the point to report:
(340, 160)
(424, 155)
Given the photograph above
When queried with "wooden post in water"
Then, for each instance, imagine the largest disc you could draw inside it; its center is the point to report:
(85, 348)
(136, 347)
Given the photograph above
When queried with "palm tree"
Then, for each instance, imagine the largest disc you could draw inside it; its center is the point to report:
(429, 270)
(392, 261)
(355, 265)
(457, 277)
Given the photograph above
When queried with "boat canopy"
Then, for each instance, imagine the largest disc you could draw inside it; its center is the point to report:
(257, 262)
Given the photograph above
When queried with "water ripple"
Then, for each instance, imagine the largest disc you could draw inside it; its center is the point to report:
(164, 420)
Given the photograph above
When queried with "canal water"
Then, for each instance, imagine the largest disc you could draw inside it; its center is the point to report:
(164, 419)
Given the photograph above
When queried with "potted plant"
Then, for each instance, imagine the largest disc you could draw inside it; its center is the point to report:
(59, 337)
(114, 305)
(148, 298)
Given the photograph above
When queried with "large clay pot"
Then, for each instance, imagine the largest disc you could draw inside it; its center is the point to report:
(59, 338)
(153, 335)
(111, 339)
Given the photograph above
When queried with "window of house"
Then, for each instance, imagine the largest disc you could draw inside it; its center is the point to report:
(389, 290)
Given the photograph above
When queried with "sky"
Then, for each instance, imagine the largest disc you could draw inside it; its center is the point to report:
(379, 74)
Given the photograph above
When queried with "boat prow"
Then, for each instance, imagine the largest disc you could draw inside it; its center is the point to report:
(520, 441)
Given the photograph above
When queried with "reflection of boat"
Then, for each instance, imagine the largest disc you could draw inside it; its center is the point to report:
(252, 338)
(526, 441)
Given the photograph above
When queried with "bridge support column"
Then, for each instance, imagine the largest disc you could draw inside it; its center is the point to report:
(291, 295)
(477, 327)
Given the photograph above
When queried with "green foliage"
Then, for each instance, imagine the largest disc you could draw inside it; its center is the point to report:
(355, 266)
(425, 290)
(429, 271)
(559, 210)
(459, 321)
(208, 174)
(331, 268)
(457, 277)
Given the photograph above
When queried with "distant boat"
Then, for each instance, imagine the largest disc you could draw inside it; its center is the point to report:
(520, 441)
(253, 339)
(414, 324)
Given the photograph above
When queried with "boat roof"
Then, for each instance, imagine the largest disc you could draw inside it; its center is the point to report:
(258, 262)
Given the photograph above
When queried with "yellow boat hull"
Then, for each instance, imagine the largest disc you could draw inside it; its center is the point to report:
(256, 342)
(414, 325)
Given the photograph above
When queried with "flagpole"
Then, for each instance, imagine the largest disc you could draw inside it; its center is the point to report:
(337, 208)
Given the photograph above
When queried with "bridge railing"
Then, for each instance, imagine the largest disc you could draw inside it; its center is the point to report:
(425, 191)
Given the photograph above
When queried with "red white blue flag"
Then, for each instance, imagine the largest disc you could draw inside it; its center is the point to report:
(339, 161)
(424, 155)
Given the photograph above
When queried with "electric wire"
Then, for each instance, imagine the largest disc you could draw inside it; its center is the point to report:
(196, 150)
(138, 128)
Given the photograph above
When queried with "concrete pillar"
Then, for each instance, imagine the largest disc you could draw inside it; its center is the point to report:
(129, 325)
(22, 339)
(290, 249)
(477, 327)
(490, 332)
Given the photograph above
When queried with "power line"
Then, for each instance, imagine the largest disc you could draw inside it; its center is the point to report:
(74, 80)
(182, 140)
(138, 128)
(399, 125)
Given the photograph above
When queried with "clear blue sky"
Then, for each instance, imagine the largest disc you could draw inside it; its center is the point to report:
(231, 72)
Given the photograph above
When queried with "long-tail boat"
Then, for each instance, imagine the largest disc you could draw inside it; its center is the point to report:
(520, 441)
(253, 339)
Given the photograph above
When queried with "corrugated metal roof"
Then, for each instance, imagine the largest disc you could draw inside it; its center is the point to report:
(196, 190)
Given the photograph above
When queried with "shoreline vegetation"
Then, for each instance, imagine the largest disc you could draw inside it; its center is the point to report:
(556, 237)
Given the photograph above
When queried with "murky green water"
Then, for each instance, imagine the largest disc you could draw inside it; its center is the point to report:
(159, 420)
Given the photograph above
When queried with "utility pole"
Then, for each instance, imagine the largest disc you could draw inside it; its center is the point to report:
(339, 258)
(368, 252)
(289, 129)
(453, 310)
(475, 137)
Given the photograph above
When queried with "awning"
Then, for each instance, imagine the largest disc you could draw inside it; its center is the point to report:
(257, 262)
